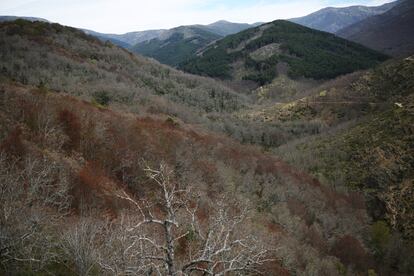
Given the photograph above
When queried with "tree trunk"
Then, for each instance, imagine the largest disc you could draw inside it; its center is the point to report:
(170, 248)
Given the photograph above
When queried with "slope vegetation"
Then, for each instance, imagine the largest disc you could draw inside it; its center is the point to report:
(86, 67)
(368, 148)
(71, 152)
(255, 53)
(177, 45)
(110, 76)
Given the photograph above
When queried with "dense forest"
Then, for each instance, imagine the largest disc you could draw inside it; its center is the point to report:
(181, 45)
(309, 53)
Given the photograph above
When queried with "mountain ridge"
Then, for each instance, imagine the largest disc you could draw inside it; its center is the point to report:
(221, 28)
(332, 19)
(391, 32)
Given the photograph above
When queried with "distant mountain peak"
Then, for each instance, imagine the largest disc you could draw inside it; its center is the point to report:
(333, 19)
(391, 32)
(221, 22)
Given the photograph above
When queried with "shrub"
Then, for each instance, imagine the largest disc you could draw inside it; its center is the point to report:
(90, 189)
(371, 272)
(102, 98)
(72, 128)
(170, 121)
(380, 236)
(12, 145)
(350, 251)
(41, 87)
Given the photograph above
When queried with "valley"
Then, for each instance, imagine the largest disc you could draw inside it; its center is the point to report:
(225, 149)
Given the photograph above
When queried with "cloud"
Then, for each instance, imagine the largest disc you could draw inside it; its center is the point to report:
(117, 16)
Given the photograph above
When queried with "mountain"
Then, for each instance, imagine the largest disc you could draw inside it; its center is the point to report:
(106, 37)
(224, 28)
(86, 128)
(12, 18)
(255, 54)
(172, 46)
(391, 33)
(130, 38)
(334, 19)
(220, 28)
(176, 45)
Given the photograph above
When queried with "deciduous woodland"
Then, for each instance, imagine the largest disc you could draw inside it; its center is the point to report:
(113, 164)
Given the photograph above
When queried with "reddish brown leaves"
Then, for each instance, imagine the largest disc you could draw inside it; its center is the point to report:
(351, 252)
(13, 145)
(72, 128)
(94, 188)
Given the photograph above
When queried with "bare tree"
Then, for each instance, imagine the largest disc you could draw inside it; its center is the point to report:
(217, 247)
(80, 245)
(24, 225)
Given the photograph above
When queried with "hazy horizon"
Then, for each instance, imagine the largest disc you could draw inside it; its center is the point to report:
(127, 15)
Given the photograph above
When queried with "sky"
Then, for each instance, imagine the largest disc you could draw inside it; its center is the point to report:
(121, 16)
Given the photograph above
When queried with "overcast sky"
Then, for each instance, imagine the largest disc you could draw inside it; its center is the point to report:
(120, 16)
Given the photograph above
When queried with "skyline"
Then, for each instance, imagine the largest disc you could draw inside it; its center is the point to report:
(123, 16)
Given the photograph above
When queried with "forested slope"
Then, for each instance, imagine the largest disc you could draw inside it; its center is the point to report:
(368, 148)
(255, 53)
(71, 166)
(87, 129)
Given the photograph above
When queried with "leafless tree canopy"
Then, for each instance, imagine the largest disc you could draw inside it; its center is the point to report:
(217, 248)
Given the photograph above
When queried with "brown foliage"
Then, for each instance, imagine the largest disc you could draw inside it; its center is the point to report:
(94, 188)
(351, 252)
(265, 166)
(72, 128)
(356, 199)
(275, 268)
(203, 213)
(29, 112)
(13, 145)
(182, 247)
(299, 209)
(274, 228)
(315, 239)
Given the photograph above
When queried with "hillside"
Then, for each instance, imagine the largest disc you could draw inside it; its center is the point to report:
(130, 38)
(219, 28)
(109, 76)
(106, 37)
(255, 53)
(359, 138)
(176, 45)
(91, 69)
(391, 33)
(367, 147)
(82, 122)
(332, 19)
